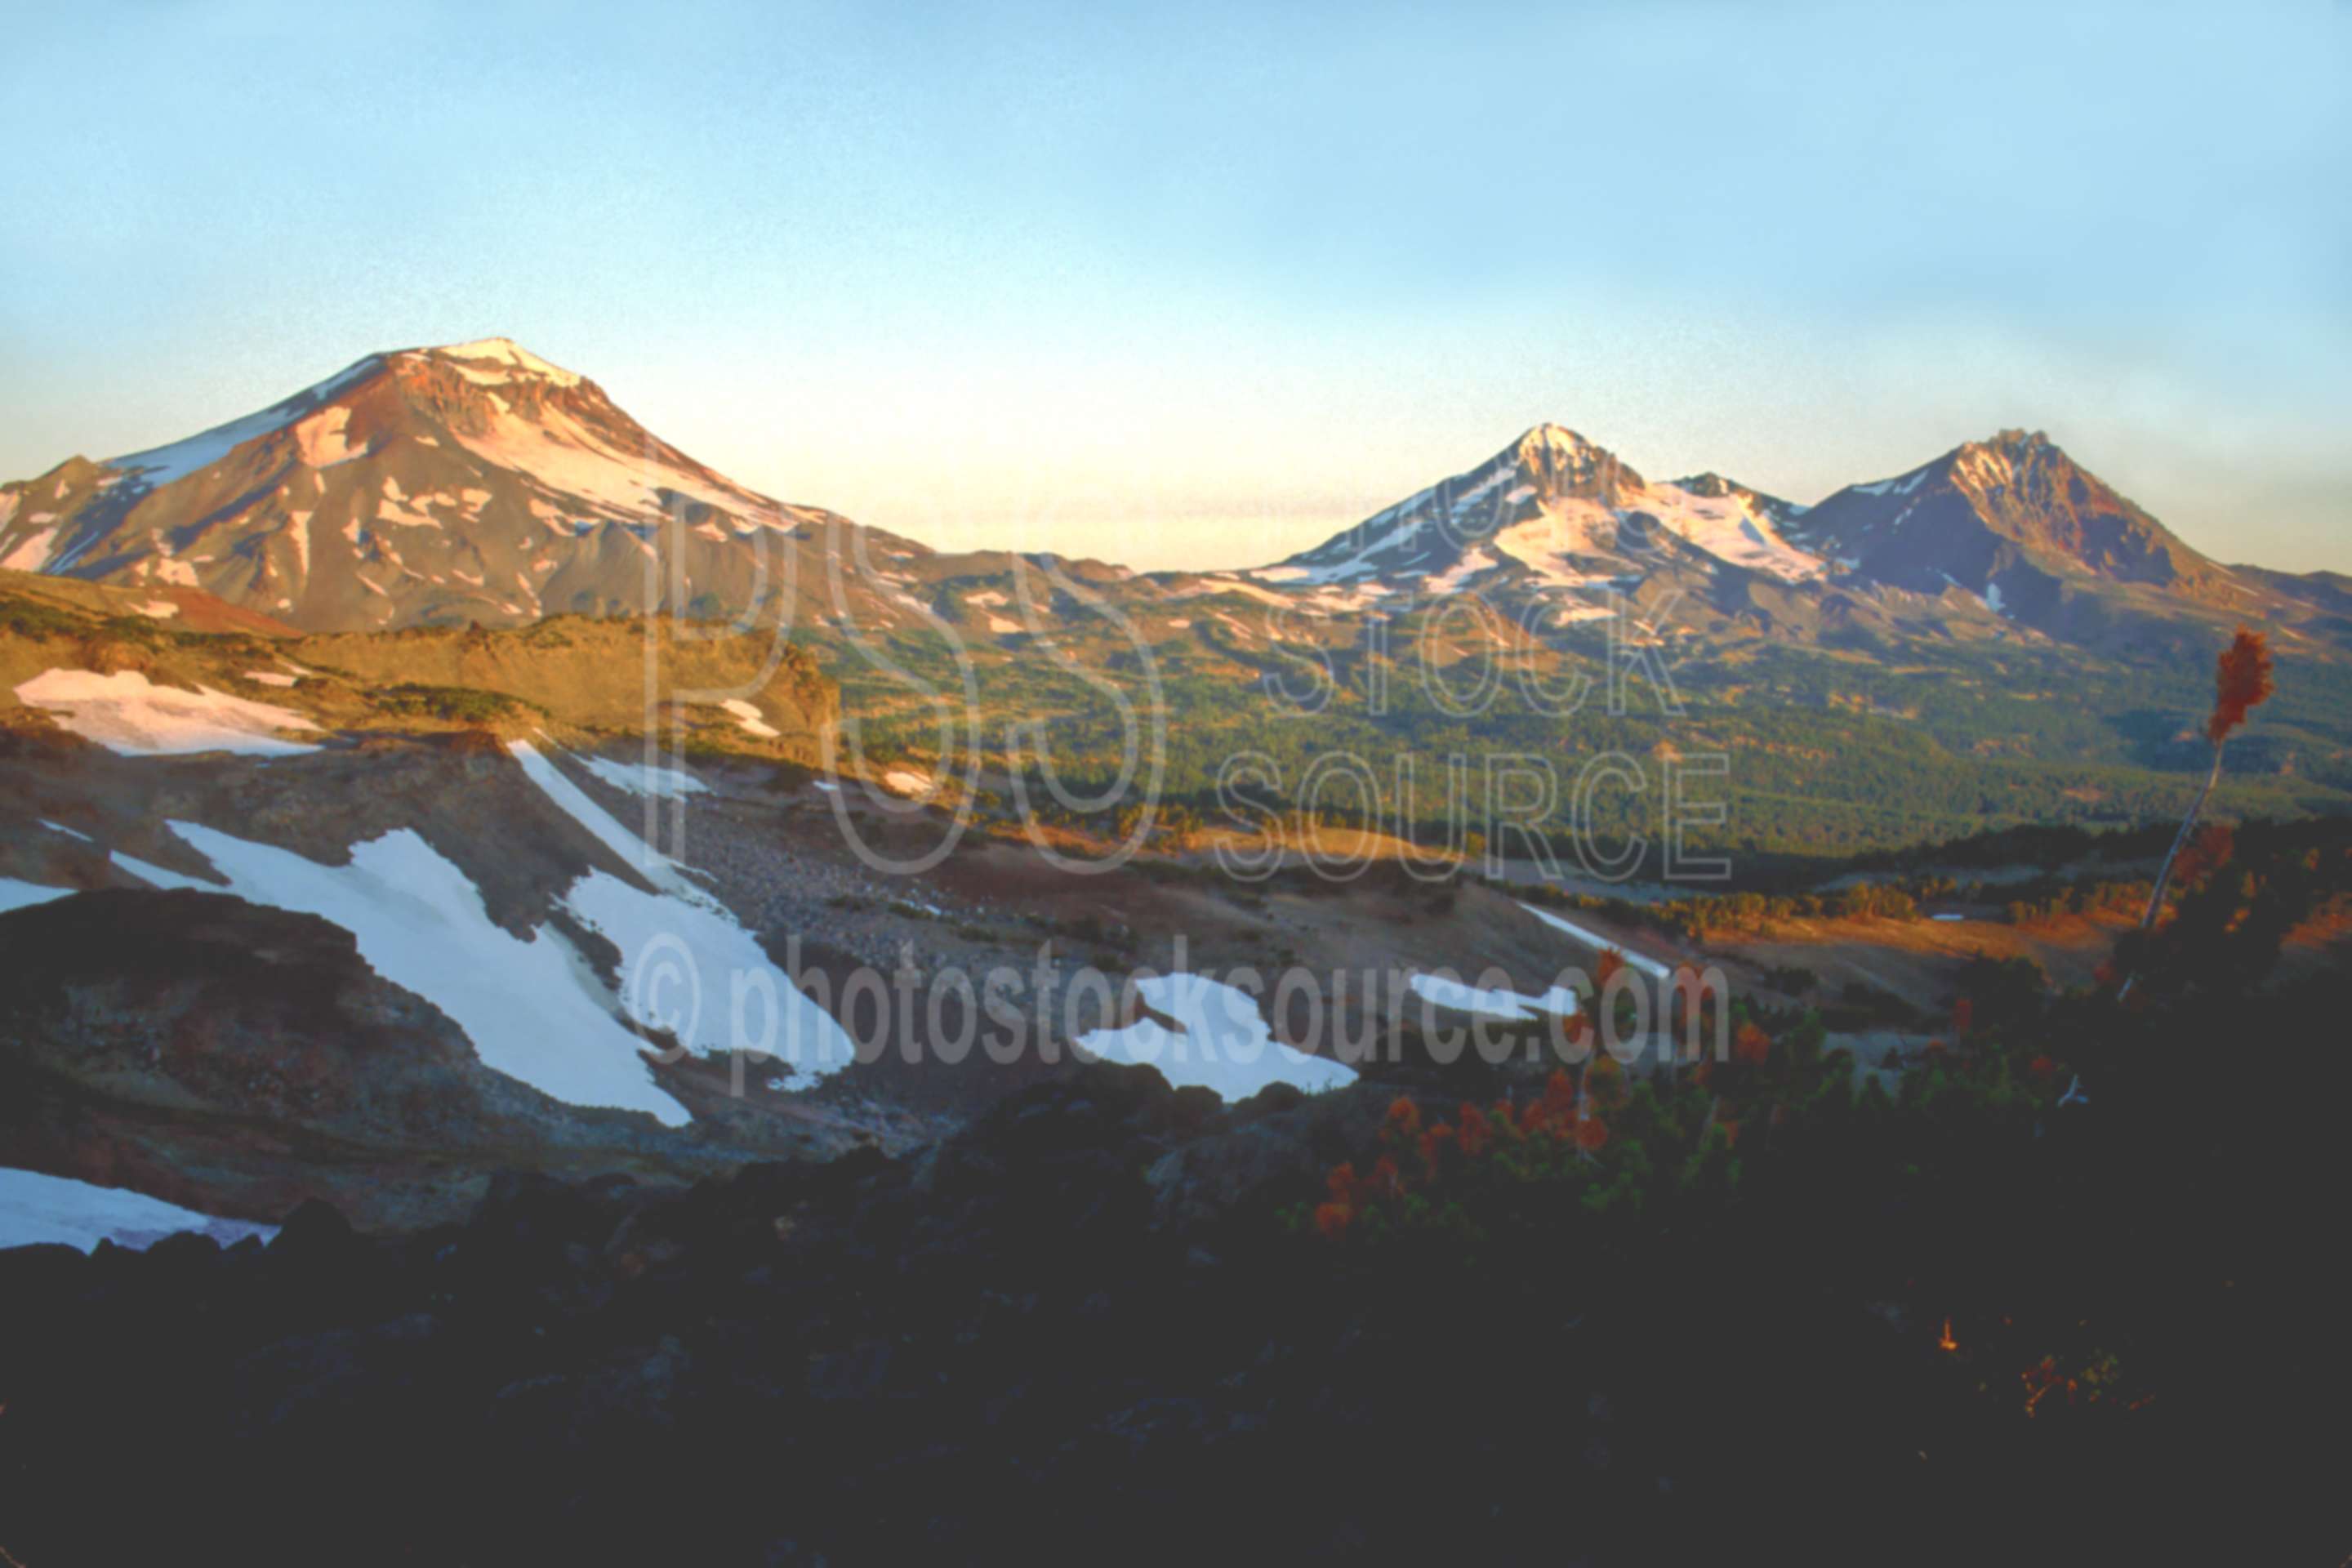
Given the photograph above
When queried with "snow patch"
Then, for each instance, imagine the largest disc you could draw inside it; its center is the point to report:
(513, 355)
(1729, 529)
(644, 778)
(162, 465)
(323, 439)
(689, 969)
(635, 852)
(751, 720)
(31, 552)
(1649, 967)
(17, 895)
(127, 715)
(1495, 1002)
(37, 1209)
(157, 877)
(1224, 1044)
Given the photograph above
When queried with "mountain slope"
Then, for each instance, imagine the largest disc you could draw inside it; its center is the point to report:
(472, 483)
(1988, 507)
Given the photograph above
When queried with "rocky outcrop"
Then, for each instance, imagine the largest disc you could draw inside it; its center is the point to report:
(239, 1060)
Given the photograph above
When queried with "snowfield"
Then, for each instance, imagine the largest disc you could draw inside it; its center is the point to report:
(1226, 1045)
(688, 966)
(1727, 528)
(690, 969)
(128, 714)
(532, 1008)
(57, 1210)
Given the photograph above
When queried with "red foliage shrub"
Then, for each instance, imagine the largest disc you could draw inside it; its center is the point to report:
(1751, 1045)
(1475, 1131)
(2242, 682)
(2207, 853)
(1403, 1119)
(1342, 1184)
(1558, 1096)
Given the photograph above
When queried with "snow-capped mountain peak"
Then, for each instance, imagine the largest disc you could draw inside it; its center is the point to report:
(1554, 509)
(502, 359)
(473, 481)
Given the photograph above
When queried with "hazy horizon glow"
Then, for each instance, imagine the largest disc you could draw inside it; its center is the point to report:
(1200, 289)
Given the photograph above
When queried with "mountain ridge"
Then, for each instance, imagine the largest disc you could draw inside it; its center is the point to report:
(481, 483)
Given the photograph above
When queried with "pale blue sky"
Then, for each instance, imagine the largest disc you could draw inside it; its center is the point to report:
(1198, 287)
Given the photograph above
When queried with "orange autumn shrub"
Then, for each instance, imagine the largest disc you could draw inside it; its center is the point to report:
(1457, 1165)
(1555, 1112)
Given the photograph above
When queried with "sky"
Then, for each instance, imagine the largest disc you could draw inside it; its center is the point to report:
(1198, 285)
